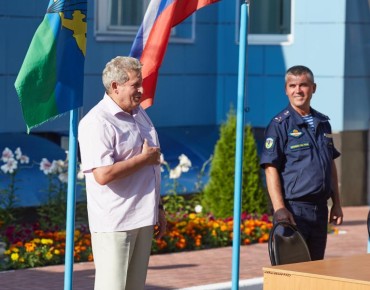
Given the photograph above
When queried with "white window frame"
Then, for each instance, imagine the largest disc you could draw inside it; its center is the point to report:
(266, 39)
(104, 32)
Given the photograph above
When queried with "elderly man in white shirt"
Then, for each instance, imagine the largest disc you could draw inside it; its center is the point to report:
(120, 156)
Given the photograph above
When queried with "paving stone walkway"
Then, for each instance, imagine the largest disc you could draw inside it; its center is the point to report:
(195, 268)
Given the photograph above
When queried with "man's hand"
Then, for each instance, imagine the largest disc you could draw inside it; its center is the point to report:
(336, 215)
(153, 154)
(282, 214)
(162, 225)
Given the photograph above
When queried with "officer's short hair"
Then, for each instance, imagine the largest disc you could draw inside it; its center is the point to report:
(298, 70)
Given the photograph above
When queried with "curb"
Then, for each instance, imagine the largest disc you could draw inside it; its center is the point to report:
(248, 284)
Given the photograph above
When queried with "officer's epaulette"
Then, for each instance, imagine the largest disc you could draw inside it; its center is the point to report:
(283, 115)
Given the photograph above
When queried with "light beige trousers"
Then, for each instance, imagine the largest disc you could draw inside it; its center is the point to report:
(121, 258)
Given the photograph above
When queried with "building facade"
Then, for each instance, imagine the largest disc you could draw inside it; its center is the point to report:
(197, 83)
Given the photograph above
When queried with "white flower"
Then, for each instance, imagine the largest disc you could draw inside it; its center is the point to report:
(185, 163)
(63, 177)
(46, 166)
(80, 174)
(67, 156)
(184, 160)
(10, 165)
(163, 162)
(162, 159)
(175, 173)
(18, 153)
(59, 166)
(24, 159)
(198, 208)
(7, 154)
(184, 168)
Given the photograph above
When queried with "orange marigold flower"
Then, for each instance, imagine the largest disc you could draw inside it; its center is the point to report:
(181, 243)
(19, 244)
(161, 244)
(87, 242)
(14, 249)
(30, 247)
(247, 241)
(224, 228)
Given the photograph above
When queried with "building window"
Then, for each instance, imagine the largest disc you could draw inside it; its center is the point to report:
(119, 20)
(126, 13)
(270, 17)
(270, 21)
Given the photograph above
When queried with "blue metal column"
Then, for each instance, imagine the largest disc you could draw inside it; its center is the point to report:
(239, 142)
(71, 200)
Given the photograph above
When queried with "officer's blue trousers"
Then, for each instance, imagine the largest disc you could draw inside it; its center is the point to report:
(312, 222)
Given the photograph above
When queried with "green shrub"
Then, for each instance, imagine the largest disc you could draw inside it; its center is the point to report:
(218, 195)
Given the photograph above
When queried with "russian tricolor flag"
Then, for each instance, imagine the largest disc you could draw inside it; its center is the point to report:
(152, 38)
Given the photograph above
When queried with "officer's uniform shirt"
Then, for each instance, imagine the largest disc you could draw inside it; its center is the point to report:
(302, 156)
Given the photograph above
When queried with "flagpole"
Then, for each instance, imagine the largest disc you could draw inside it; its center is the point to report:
(239, 142)
(71, 200)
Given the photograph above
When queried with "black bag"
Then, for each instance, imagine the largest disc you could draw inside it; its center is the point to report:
(287, 245)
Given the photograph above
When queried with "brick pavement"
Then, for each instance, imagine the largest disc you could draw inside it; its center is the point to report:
(180, 270)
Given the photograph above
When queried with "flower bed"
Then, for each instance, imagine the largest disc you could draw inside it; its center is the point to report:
(197, 232)
(43, 243)
(29, 246)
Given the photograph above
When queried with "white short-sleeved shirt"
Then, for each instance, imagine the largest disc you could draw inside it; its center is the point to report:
(106, 135)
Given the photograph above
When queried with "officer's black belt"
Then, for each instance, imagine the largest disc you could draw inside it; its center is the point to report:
(312, 199)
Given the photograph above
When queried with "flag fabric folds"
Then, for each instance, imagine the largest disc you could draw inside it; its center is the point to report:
(50, 81)
(152, 38)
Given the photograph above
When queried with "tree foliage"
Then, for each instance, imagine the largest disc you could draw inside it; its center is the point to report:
(218, 195)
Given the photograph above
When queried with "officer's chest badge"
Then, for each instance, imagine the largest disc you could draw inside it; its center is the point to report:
(296, 133)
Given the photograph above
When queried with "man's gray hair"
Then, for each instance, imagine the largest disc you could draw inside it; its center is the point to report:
(299, 70)
(117, 70)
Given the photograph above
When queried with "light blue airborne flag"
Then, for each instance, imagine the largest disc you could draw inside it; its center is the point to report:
(50, 81)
